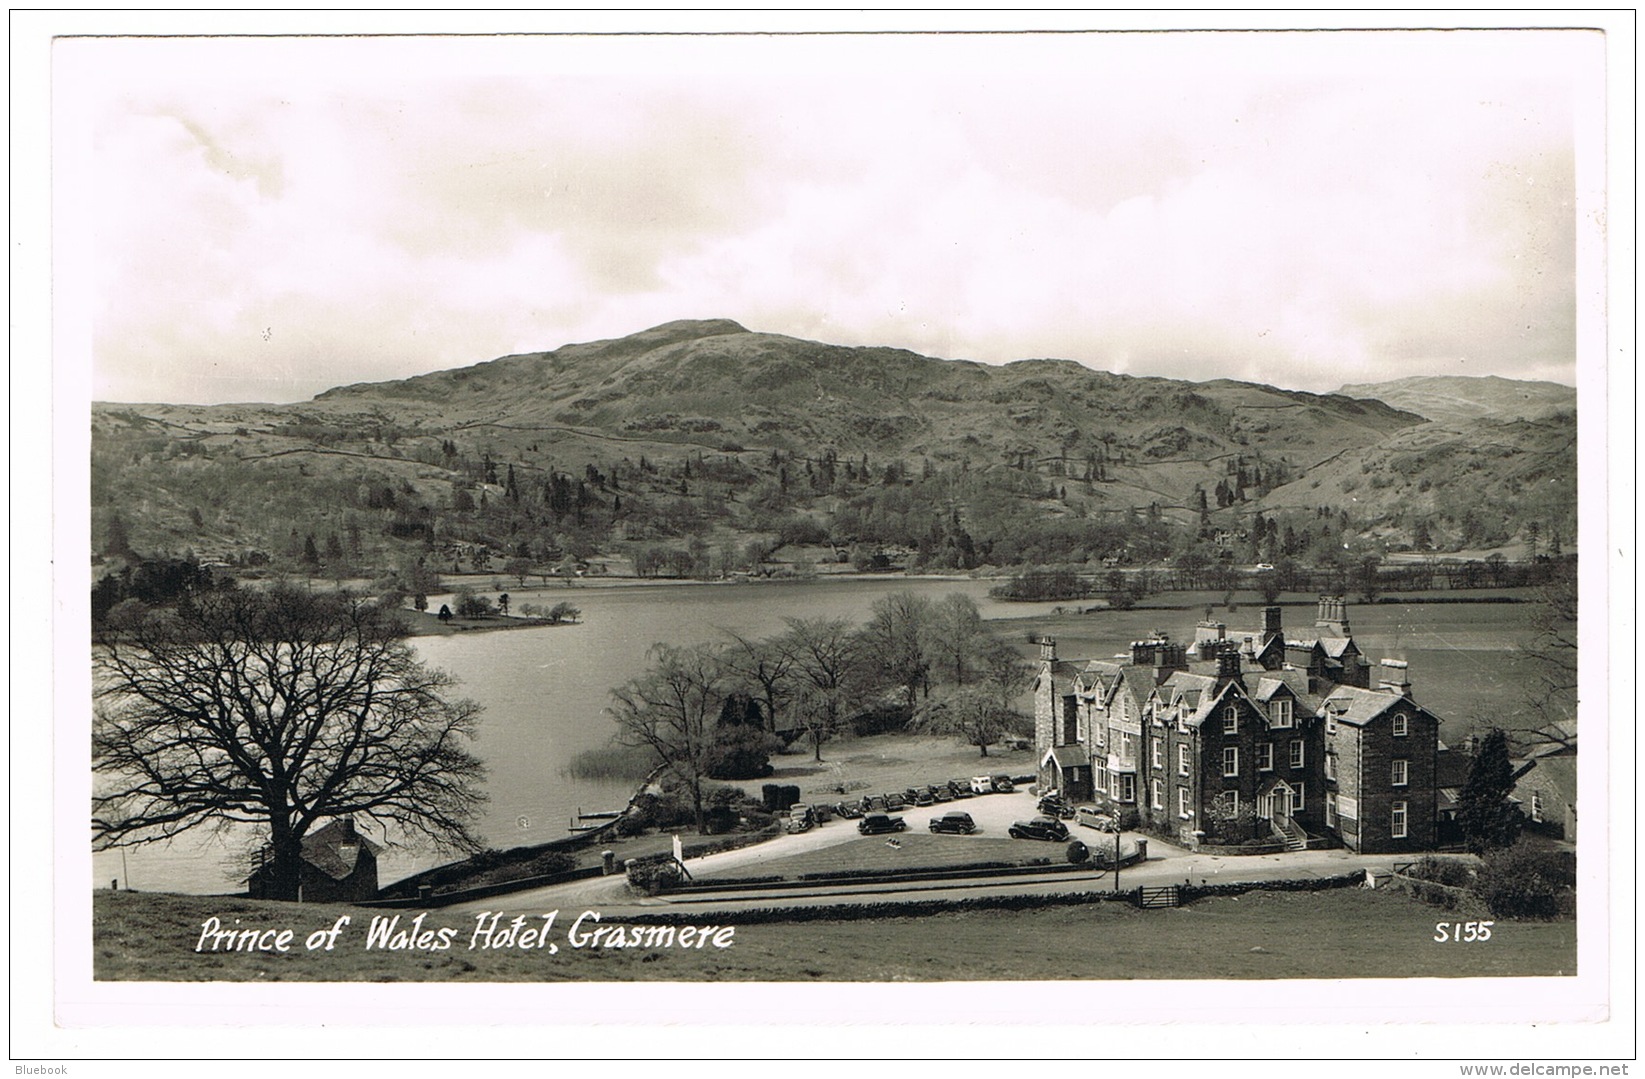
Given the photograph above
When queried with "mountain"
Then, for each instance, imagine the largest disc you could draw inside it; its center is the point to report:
(705, 442)
(1445, 398)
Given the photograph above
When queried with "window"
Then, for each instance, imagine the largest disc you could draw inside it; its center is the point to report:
(1182, 760)
(1402, 724)
(1279, 712)
(1183, 809)
(1265, 757)
(1099, 778)
(1536, 806)
(1296, 752)
(1397, 824)
(1128, 787)
(1230, 803)
(1125, 746)
(1330, 810)
(1230, 720)
(1400, 773)
(1230, 761)
(1156, 791)
(1298, 804)
(1154, 750)
(1330, 723)
(1330, 766)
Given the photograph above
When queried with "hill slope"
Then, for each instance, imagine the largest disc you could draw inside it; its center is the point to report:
(1450, 398)
(707, 439)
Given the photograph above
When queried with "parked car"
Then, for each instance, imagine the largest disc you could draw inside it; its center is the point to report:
(954, 821)
(961, 788)
(920, 796)
(1047, 828)
(800, 818)
(1002, 784)
(982, 784)
(940, 792)
(1092, 817)
(894, 802)
(1054, 805)
(872, 803)
(849, 810)
(880, 823)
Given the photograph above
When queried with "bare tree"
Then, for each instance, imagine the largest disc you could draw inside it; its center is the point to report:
(894, 643)
(825, 654)
(673, 710)
(954, 636)
(1552, 657)
(766, 664)
(278, 710)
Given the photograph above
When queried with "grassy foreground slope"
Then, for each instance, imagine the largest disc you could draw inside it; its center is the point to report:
(1348, 933)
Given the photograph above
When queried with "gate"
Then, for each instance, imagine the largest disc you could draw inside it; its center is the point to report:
(1152, 898)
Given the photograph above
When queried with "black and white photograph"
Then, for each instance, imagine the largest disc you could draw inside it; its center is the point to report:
(922, 522)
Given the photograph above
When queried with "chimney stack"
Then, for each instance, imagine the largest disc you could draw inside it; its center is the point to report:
(1048, 649)
(1394, 677)
(1333, 617)
(1272, 626)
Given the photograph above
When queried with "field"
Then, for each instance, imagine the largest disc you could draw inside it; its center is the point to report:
(1347, 933)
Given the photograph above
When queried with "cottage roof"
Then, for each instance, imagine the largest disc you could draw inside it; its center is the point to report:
(1556, 772)
(335, 849)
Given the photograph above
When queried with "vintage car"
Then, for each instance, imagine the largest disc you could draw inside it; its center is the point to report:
(800, 818)
(955, 822)
(1092, 817)
(1047, 828)
(880, 823)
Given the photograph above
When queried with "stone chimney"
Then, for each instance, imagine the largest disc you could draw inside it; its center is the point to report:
(1333, 617)
(1048, 649)
(1272, 624)
(1142, 652)
(1169, 657)
(1395, 678)
(1228, 666)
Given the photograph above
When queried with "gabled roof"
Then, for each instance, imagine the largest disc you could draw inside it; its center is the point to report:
(1199, 690)
(1067, 756)
(335, 849)
(1356, 706)
(1336, 646)
(1556, 772)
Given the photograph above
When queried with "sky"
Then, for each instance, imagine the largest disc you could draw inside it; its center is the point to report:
(262, 219)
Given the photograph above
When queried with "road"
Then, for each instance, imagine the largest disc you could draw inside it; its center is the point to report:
(1166, 864)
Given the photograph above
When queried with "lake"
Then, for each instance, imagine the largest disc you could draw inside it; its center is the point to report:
(545, 691)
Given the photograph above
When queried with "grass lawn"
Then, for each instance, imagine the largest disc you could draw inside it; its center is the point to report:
(1347, 933)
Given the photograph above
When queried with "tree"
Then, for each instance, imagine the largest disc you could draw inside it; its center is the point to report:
(972, 713)
(1005, 673)
(1488, 819)
(894, 643)
(1551, 656)
(563, 612)
(766, 664)
(518, 568)
(278, 710)
(470, 604)
(673, 710)
(825, 655)
(954, 633)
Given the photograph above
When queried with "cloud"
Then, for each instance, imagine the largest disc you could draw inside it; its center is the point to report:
(1260, 214)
